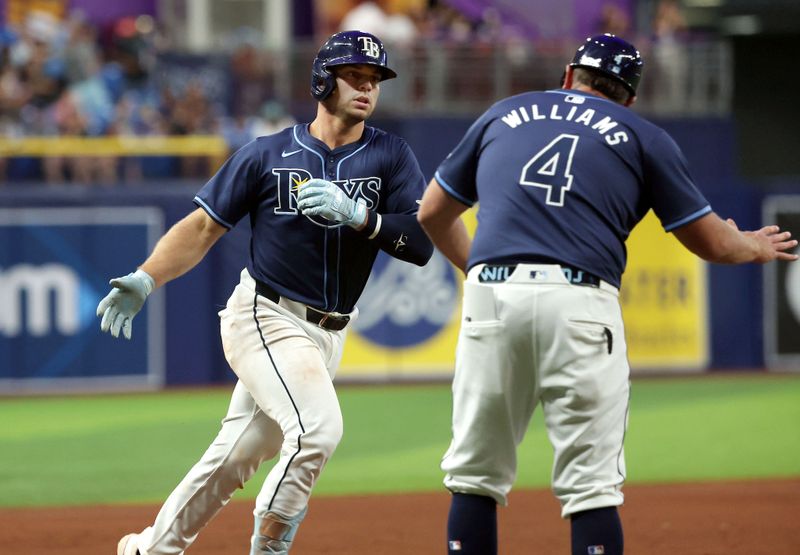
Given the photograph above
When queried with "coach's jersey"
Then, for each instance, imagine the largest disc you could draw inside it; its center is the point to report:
(565, 176)
(311, 259)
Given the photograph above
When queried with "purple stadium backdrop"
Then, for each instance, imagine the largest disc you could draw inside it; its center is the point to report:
(102, 12)
(547, 19)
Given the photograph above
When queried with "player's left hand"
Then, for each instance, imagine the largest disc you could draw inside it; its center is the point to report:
(123, 302)
(319, 197)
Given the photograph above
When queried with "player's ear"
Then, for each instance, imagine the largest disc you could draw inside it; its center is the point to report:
(630, 101)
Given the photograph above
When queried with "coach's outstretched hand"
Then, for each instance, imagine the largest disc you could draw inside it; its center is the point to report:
(771, 243)
(124, 301)
(319, 197)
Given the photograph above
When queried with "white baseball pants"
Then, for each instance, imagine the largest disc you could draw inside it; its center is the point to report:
(537, 338)
(284, 402)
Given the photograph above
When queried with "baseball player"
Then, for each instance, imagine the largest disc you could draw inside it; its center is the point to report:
(323, 198)
(562, 177)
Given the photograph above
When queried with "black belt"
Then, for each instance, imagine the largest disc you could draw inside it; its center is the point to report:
(498, 273)
(323, 319)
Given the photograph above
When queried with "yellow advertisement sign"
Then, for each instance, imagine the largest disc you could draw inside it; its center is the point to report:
(663, 298)
(409, 320)
(410, 316)
(409, 325)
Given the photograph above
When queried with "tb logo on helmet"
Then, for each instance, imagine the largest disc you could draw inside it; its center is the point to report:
(347, 47)
(369, 47)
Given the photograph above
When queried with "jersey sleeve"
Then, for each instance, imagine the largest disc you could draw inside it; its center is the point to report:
(675, 198)
(406, 182)
(456, 174)
(231, 192)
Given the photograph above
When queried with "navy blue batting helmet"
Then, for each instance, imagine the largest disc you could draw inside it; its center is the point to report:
(347, 47)
(613, 56)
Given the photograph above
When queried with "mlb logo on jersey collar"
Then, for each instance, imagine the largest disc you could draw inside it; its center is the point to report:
(575, 99)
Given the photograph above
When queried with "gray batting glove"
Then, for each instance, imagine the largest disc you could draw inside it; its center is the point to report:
(319, 197)
(124, 301)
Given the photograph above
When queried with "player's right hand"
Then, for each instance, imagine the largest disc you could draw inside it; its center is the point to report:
(320, 197)
(124, 301)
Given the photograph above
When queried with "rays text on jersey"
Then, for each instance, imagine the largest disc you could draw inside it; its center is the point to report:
(290, 180)
(579, 115)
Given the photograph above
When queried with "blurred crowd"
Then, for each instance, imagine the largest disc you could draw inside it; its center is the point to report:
(62, 76)
(663, 42)
(406, 22)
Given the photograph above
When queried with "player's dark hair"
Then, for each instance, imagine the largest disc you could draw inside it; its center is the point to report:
(607, 86)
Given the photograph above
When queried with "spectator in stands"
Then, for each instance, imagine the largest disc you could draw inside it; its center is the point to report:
(448, 25)
(670, 61)
(396, 26)
(13, 93)
(81, 52)
(41, 71)
(240, 130)
(139, 104)
(10, 96)
(272, 118)
(191, 114)
(237, 131)
(365, 16)
(614, 20)
(78, 113)
(252, 75)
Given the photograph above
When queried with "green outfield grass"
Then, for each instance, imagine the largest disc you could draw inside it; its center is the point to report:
(135, 448)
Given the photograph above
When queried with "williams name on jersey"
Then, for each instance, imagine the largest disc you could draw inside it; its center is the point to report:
(587, 116)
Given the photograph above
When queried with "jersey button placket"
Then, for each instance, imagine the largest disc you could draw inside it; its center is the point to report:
(331, 161)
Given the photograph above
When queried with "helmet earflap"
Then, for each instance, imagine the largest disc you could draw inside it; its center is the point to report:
(322, 81)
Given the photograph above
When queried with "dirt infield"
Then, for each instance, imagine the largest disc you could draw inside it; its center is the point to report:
(758, 517)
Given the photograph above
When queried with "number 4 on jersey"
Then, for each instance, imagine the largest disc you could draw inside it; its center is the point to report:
(550, 168)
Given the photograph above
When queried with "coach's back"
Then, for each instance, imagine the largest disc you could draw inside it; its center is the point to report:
(565, 175)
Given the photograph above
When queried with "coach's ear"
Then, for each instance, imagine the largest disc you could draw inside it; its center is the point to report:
(566, 79)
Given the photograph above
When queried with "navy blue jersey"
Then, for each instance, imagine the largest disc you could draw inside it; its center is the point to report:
(310, 259)
(565, 176)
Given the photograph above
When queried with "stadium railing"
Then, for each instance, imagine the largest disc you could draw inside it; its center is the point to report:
(693, 78)
(211, 146)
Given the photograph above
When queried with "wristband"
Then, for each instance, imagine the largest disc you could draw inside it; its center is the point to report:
(373, 224)
(377, 227)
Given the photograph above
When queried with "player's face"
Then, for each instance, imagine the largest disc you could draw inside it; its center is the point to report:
(357, 90)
